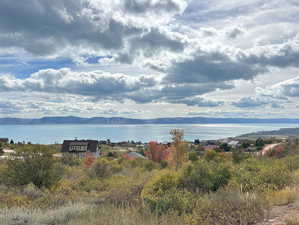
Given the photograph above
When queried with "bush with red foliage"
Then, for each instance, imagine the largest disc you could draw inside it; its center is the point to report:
(158, 152)
(89, 160)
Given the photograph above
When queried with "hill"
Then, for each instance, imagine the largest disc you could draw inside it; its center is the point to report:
(122, 120)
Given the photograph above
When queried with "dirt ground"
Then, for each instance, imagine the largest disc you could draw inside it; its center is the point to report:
(279, 214)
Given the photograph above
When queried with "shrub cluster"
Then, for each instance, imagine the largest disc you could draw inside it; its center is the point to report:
(33, 165)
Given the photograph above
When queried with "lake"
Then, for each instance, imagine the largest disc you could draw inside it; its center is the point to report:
(49, 134)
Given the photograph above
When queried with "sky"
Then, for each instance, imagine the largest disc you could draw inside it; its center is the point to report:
(149, 58)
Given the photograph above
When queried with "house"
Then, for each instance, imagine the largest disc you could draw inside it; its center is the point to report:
(81, 147)
(4, 140)
(210, 147)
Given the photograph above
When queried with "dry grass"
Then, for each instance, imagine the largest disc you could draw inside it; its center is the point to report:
(60, 216)
(112, 215)
(283, 197)
(292, 221)
(83, 214)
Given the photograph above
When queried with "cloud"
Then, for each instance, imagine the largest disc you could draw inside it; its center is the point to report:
(7, 107)
(234, 33)
(284, 89)
(101, 85)
(198, 101)
(52, 27)
(178, 93)
(154, 6)
(203, 66)
(251, 102)
(279, 55)
(182, 52)
(97, 84)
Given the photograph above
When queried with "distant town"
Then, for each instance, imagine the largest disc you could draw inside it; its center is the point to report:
(260, 142)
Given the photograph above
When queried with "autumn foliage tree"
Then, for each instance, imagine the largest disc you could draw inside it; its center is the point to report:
(179, 147)
(156, 152)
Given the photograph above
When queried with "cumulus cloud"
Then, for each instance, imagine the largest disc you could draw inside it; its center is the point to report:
(103, 85)
(96, 84)
(189, 48)
(279, 55)
(50, 26)
(213, 66)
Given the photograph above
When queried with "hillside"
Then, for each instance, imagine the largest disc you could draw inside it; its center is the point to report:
(284, 132)
(121, 120)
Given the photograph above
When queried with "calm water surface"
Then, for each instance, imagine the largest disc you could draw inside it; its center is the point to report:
(48, 134)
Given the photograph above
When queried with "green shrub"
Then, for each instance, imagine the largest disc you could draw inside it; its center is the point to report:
(193, 156)
(161, 193)
(262, 175)
(33, 165)
(238, 155)
(146, 164)
(163, 164)
(205, 176)
(103, 168)
(31, 191)
(70, 160)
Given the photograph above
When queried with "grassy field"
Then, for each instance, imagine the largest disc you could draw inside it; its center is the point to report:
(215, 188)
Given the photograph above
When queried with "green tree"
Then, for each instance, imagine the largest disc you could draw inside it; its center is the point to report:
(33, 165)
(259, 143)
(193, 156)
(225, 147)
(245, 144)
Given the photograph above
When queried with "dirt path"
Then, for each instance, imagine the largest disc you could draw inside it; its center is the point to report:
(269, 148)
(279, 214)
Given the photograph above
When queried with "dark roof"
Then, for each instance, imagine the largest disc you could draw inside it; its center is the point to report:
(4, 140)
(92, 145)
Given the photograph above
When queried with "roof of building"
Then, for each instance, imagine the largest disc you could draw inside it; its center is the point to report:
(134, 155)
(92, 145)
(4, 140)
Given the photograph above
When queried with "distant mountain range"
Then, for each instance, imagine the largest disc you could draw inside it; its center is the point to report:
(121, 120)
